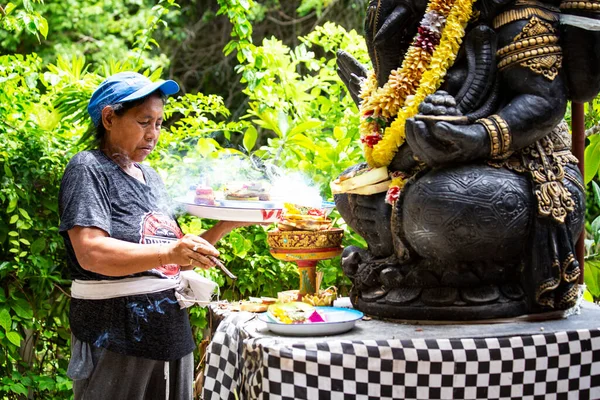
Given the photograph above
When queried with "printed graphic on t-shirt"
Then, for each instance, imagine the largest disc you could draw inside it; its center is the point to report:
(158, 228)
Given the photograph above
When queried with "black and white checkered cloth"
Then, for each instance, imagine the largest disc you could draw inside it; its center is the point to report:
(560, 365)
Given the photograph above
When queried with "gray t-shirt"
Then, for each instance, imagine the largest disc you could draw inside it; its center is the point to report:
(96, 192)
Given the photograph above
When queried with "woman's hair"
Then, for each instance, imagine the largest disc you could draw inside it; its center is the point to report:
(119, 109)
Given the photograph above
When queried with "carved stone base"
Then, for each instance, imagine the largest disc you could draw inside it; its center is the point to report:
(419, 311)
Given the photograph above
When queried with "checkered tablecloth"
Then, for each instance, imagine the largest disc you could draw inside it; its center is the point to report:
(556, 365)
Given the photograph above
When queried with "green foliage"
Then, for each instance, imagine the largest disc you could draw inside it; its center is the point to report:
(20, 17)
(592, 150)
(239, 13)
(298, 102)
(312, 5)
(298, 118)
(591, 166)
(101, 32)
(42, 114)
(592, 259)
(33, 306)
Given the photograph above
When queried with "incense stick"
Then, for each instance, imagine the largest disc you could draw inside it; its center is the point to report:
(222, 267)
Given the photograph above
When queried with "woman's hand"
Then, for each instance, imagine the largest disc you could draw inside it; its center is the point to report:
(191, 251)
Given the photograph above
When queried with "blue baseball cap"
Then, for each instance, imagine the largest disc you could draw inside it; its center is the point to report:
(124, 87)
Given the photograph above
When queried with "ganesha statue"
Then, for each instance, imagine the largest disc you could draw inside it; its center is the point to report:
(464, 106)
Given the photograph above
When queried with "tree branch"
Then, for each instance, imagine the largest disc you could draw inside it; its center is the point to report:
(292, 22)
(593, 130)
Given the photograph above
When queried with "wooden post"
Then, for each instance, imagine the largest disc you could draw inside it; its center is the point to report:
(578, 129)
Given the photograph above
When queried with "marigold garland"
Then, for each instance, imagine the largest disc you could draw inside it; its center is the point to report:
(426, 62)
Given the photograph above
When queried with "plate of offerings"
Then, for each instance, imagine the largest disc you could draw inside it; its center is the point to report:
(243, 203)
(261, 213)
(301, 319)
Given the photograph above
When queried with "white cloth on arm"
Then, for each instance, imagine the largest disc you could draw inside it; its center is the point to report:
(190, 288)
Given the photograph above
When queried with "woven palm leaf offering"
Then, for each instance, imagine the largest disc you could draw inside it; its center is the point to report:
(305, 235)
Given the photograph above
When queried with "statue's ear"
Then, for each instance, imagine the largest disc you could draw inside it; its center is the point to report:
(581, 58)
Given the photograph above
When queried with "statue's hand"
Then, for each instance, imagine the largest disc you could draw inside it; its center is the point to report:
(440, 143)
(435, 141)
(439, 103)
(351, 72)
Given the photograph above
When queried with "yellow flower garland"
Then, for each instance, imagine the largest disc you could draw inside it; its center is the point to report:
(443, 57)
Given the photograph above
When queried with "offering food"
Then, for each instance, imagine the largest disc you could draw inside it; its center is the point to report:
(303, 219)
(365, 181)
(294, 313)
(204, 196)
(257, 304)
(252, 191)
(253, 307)
(323, 298)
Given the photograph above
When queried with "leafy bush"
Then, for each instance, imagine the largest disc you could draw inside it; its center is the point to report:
(299, 118)
(33, 304)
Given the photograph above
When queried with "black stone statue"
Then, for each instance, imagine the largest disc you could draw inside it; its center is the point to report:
(486, 224)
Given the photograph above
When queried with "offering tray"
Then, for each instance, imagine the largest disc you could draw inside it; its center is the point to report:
(337, 320)
(247, 211)
(306, 249)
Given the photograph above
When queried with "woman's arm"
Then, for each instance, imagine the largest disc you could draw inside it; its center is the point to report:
(222, 228)
(99, 253)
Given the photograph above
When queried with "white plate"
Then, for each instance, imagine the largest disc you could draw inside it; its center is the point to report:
(250, 204)
(241, 214)
(339, 320)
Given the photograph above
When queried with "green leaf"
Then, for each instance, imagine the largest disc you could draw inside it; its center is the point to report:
(587, 296)
(24, 214)
(38, 245)
(596, 190)
(12, 204)
(250, 137)
(43, 26)
(7, 170)
(338, 133)
(22, 308)
(18, 388)
(24, 241)
(595, 227)
(591, 159)
(45, 383)
(5, 320)
(283, 123)
(14, 338)
(303, 141)
(304, 126)
(14, 218)
(206, 146)
(9, 8)
(591, 276)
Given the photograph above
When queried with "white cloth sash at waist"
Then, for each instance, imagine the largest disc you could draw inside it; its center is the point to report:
(190, 288)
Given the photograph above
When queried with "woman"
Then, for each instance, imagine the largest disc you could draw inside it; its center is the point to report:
(131, 340)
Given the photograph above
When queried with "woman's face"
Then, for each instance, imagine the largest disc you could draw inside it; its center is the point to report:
(134, 134)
